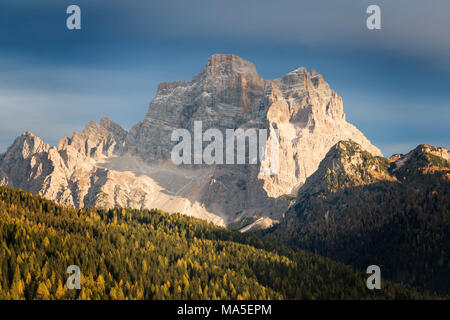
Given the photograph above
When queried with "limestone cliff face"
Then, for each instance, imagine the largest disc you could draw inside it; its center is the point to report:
(310, 119)
(106, 166)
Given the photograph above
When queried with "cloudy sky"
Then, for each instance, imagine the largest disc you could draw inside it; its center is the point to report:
(395, 82)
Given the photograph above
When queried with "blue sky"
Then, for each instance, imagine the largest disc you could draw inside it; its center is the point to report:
(395, 82)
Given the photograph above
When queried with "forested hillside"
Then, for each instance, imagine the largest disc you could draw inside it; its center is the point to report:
(363, 210)
(130, 254)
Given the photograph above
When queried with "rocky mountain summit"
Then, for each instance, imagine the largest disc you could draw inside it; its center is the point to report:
(106, 166)
(346, 165)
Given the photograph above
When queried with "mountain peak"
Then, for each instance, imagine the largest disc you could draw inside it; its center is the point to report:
(97, 139)
(106, 122)
(115, 129)
(26, 145)
(29, 134)
(346, 148)
(299, 71)
(423, 158)
(103, 128)
(438, 151)
(226, 64)
(345, 165)
(301, 79)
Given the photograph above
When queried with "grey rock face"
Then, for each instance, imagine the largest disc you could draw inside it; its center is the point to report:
(67, 173)
(311, 120)
(106, 166)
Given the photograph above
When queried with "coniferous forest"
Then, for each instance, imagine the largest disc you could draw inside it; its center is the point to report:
(149, 254)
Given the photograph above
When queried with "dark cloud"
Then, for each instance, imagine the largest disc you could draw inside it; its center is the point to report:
(53, 80)
(410, 27)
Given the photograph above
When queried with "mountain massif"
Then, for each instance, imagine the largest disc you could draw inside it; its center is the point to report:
(106, 166)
